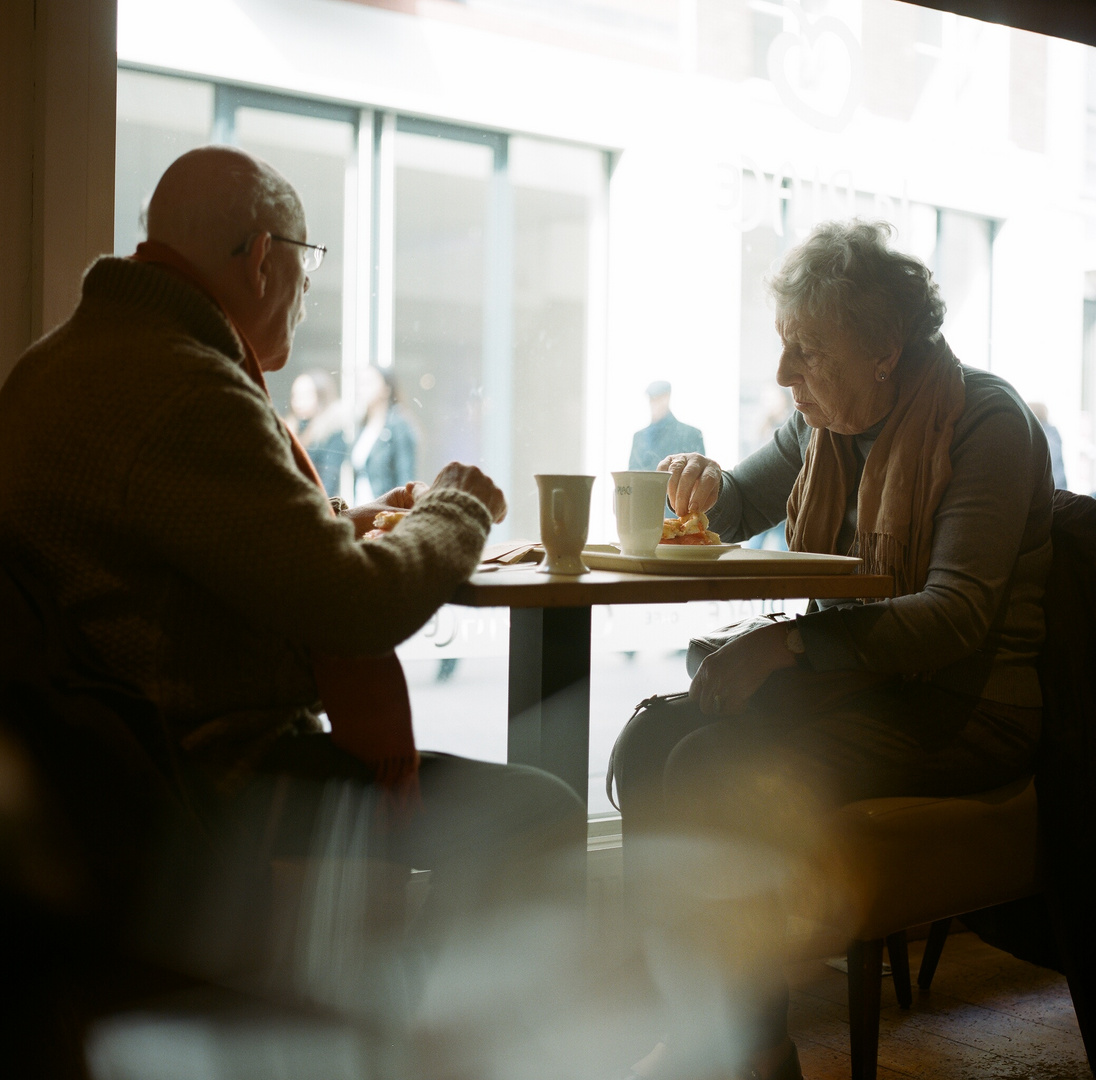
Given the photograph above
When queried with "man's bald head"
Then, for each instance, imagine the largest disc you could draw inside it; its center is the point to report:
(222, 210)
(211, 200)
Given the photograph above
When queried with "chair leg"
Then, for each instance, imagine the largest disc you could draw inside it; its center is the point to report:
(938, 934)
(900, 968)
(865, 960)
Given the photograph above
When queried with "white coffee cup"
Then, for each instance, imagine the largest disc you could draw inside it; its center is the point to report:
(639, 502)
(564, 520)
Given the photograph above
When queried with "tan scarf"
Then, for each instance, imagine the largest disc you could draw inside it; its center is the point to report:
(905, 475)
(365, 697)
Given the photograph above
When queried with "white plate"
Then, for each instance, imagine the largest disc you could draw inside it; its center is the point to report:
(691, 552)
(741, 561)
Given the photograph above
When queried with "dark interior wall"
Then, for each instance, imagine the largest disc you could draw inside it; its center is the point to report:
(1072, 19)
(16, 177)
(58, 65)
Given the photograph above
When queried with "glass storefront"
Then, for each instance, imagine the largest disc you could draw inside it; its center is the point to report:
(533, 211)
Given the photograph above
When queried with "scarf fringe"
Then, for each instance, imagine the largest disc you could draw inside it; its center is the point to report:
(904, 477)
(884, 554)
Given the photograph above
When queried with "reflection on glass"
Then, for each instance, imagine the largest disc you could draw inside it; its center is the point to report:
(963, 269)
(519, 344)
(555, 191)
(780, 211)
(439, 272)
(159, 118)
(313, 153)
(491, 295)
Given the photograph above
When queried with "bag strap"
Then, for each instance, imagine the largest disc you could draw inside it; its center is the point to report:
(646, 703)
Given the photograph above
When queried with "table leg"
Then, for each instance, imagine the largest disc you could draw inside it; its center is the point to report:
(549, 722)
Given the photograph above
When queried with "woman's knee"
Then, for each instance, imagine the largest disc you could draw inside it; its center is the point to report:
(732, 781)
(648, 739)
(699, 767)
(506, 791)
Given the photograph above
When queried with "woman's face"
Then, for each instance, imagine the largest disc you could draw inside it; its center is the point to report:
(834, 378)
(303, 399)
(374, 388)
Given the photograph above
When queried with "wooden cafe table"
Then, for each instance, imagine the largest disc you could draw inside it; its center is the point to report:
(550, 616)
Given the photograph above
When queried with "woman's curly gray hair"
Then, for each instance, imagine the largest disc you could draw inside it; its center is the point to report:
(845, 274)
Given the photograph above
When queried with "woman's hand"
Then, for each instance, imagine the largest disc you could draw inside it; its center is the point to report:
(729, 677)
(695, 482)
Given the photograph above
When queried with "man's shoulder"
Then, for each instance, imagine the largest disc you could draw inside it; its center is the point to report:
(117, 360)
(690, 438)
(129, 302)
(670, 422)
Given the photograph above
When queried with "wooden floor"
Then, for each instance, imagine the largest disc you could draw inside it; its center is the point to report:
(988, 1016)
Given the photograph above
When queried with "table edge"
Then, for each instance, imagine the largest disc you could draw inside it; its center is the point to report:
(617, 588)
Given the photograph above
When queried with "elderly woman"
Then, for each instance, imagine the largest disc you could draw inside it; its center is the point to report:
(925, 469)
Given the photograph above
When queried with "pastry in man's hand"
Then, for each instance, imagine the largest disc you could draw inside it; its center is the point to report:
(384, 523)
(688, 529)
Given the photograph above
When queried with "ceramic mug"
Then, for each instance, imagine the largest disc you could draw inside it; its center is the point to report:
(564, 520)
(639, 502)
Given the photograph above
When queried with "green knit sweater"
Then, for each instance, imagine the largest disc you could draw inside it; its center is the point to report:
(150, 485)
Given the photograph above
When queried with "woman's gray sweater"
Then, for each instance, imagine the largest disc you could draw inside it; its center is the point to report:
(977, 625)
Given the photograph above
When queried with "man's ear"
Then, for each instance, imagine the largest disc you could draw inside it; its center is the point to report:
(255, 263)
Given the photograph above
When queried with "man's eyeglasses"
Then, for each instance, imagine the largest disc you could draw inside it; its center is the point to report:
(311, 256)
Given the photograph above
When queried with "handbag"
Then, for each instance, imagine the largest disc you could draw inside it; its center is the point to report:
(699, 647)
(655, 701)
(789, 692)
(706, 644)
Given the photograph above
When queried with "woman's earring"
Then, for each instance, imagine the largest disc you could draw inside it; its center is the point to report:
(882, 376)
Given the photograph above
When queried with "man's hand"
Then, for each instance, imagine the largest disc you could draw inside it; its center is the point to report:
(695, 482)
(471, 480)
(465, 478)
(730, 676)
(403, 498)
(399, 498)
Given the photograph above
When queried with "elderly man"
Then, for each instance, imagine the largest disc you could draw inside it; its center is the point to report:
(148, 485)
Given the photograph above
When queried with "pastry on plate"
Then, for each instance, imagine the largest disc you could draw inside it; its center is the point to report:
(688, 529)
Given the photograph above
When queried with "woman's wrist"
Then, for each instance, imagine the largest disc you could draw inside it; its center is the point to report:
(777, 652)
(797, 649)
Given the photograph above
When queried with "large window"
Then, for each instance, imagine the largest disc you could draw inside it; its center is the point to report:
(778, 211)
(494, 243)
(466, 264)
(534, 210)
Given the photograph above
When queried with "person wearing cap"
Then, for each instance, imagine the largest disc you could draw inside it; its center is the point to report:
(665, 434)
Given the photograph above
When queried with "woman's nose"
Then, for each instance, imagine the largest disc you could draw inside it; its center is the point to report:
(785, 373)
